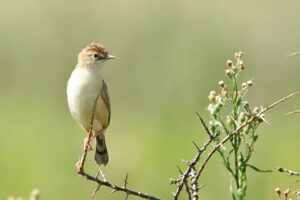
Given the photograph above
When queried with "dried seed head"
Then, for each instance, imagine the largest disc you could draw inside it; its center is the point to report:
(246, 104)
(244, 85)
(229, 63)
(221, 83)
(249, 83)
(227, 72)
(278, 192)
(286, 193)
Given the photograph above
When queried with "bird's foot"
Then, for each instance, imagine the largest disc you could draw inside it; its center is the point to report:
(87, 145)
(79, 165)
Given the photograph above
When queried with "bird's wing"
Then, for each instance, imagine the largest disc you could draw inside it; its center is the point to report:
(105, 97)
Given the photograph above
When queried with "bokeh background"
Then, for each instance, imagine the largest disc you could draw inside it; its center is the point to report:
(171, 54)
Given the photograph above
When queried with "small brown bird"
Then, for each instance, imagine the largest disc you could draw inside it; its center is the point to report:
(84, 85)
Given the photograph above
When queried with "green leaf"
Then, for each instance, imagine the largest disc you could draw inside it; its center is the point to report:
(258, 170)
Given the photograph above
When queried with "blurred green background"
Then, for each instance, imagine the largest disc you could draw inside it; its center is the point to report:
(170, 55)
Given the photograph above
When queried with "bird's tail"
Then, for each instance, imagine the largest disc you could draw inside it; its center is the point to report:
(101, 154)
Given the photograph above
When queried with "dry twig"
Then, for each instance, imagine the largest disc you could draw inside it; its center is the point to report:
(242, 138)
(280, 169)
(187, 189)
(194, 183)
(117, 188)
(292, 54)
(293, 112)
(191, 164)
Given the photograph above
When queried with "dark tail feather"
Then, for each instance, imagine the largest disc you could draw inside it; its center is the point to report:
(101, 154)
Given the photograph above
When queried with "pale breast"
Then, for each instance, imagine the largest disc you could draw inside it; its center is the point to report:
(83, 88)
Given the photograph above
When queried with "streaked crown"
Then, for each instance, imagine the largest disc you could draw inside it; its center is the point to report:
(93, 53)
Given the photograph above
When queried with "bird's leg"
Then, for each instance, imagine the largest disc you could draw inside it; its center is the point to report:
(87, 145)
(79, 165)
(97, 134)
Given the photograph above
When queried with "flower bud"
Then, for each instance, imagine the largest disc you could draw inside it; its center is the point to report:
(246, 129)
(35, 194)
(225, 93)
(278, 192)
(286, 193)
(241, 118)
(228, 120)
(212, 96)
(229, 63)
(241, 54)
(241, 65)
(249, 83)
(211, 106)
(221, 83)
(227, 72)
(218, 98)
(236, 55)
(214, 93)
(256, 110)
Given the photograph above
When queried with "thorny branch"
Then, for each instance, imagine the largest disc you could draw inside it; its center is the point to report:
(117, 188)
(280, 169)
(192, 164)
(187, 189)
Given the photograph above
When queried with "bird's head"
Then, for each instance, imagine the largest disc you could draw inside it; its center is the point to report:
(93, 54)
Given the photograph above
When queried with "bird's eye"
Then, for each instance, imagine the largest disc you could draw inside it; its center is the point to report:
(96, 55)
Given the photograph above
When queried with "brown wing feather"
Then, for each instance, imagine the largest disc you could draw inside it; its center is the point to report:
(105, 97)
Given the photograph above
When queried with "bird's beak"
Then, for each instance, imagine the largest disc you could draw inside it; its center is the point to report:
(110, 57)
